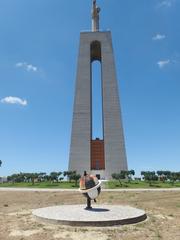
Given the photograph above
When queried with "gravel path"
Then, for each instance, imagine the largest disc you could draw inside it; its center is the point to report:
(76, 190)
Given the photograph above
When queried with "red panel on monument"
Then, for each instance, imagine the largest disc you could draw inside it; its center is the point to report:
(97, 155)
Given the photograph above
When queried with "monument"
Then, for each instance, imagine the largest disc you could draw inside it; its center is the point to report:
(100, 157)
(94, 45)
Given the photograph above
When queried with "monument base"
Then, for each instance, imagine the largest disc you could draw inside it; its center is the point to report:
(100, 215)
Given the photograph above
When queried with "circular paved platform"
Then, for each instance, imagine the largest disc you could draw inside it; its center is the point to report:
(100, 215)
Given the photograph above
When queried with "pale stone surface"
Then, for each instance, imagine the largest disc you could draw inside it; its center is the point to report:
(115, 155)
(81, 125)
(102, 215)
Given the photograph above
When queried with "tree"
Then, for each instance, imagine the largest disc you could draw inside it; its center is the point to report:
(68, 174)
(130, 174)
(41, 177)
(149, 176)
(16, 178)
(173, 177)
(74, 176)
(54, 176)
(27, 177)
(124, 174)
(163, 175)
(47, 178)
(33, 176)
(119, 176)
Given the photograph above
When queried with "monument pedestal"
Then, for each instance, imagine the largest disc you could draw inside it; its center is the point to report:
(98, 216)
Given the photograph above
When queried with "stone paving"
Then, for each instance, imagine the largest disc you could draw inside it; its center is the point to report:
(100, 215)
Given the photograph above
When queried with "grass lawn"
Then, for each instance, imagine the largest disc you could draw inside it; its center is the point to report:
(41, 185)
(140, 184)
(110, 185)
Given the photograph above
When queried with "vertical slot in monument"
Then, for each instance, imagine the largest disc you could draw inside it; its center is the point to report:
(97, 138)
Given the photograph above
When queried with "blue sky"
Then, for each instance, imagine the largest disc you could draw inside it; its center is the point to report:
(38, 58)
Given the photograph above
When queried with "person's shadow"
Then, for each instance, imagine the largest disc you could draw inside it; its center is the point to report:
(98, 210)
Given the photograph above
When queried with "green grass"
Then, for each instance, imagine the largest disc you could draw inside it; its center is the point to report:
(139, 184)
(63, 185)
(110, 185)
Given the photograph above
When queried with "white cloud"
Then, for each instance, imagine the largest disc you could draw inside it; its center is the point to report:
(166, 3)
(158, 37)
(163, 63)
(14, 100)
(28, 67)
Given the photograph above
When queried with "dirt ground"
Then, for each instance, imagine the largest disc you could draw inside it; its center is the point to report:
(17, 222)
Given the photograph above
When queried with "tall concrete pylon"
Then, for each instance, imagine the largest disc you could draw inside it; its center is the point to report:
(106, 156)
